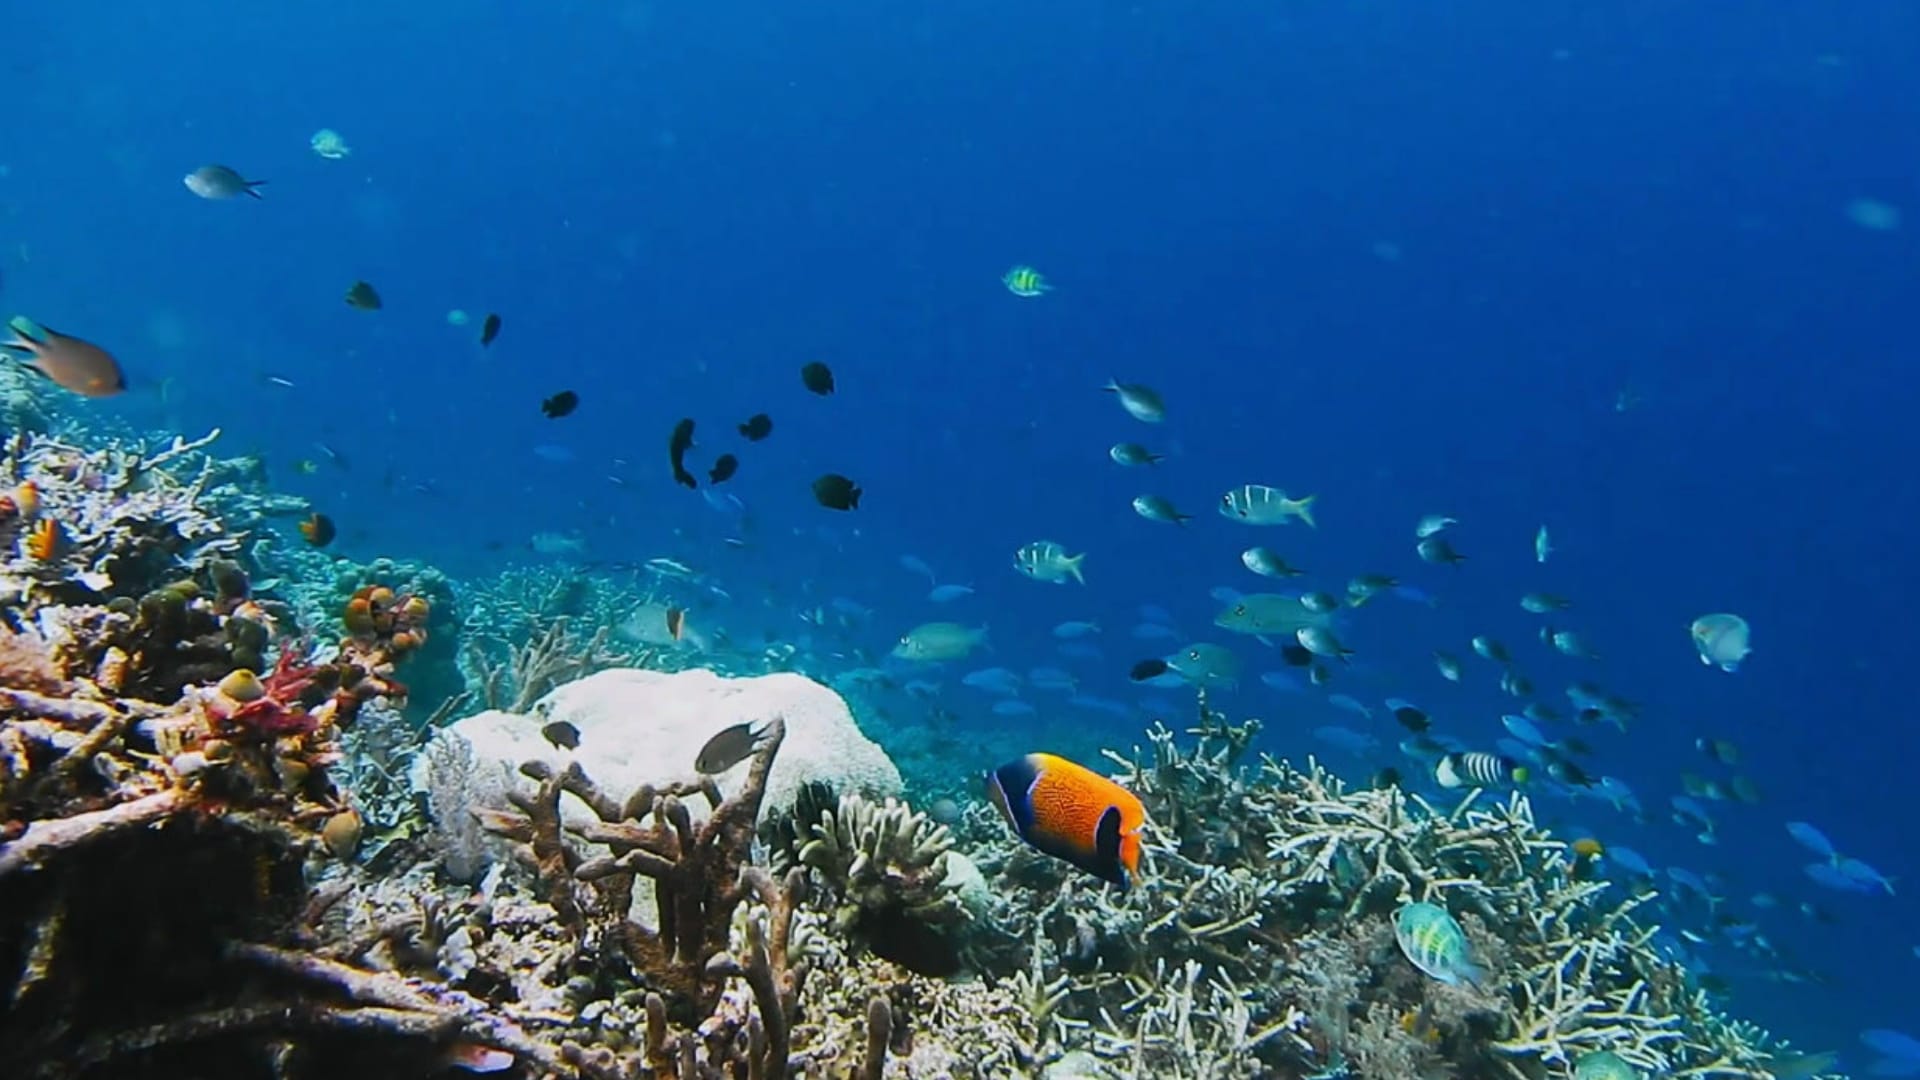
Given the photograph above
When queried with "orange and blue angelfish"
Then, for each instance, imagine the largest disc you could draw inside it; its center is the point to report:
(1072, 813)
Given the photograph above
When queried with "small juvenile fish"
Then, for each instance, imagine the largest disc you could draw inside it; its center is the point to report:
(817, 377)
(1157, 508)
(1489, 649)
(489, 329)
(757, 427)
(1025, 281)
(220, 182)
(1141, 402)
(723, 469)
(1267, 563)
(560, 404)
(1409, 715)
(1435, 549)
(836, 492)
(943, 594)
(1542, 546)
(1448, 664)
(1321, 642)
(363, 297)
(1075, 628)
(562, 735)
(1133, 454)
(728, 747)
(1722, 640)
(1319, 603)
(1432, 525)
(317, 529)
(1541, 603)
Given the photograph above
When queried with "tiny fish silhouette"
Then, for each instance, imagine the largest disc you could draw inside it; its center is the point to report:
(677, 446)
(757, 427)
(723, 469)
(489, 329)
(363, 296)
(562, 735)
(817, 377)
(728, 748)
(560, 404)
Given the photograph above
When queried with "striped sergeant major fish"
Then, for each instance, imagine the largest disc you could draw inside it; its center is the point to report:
(1258, 504)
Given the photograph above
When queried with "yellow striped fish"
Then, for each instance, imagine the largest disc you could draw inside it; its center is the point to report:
(1025, 281)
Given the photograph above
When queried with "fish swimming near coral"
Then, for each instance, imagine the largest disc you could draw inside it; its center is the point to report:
(318, 530)
(68, 362)
(563, 735)
(1604, 1065)
(1072, 813)
(47, 540)
(729, 747)
(1434, 942)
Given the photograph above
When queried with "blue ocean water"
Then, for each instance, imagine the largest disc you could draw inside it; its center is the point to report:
(1590, 266)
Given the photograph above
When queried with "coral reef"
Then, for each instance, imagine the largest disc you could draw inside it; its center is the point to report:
(214, 860)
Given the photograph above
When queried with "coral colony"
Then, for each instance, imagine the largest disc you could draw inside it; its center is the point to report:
(233, 843)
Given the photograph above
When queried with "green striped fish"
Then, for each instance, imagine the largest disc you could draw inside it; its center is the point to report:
(1435, 943)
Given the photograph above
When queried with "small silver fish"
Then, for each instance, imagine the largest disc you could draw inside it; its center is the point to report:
(1132, 455)
(1267, 563)
(729, 747)
(220, 182)
(1158, 508)
(1141, 402)
(1320, 641)
(1432, 525)
(1448, 664)
(1435, 549)
(1542, 545)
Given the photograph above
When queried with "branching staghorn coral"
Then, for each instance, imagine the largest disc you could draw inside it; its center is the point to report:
(83, 525)
(551, 656)
(884, 863)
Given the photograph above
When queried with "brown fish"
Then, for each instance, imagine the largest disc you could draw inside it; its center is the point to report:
(341, 834)
(70, 363)
(562, 735)
(729, 748)
(676, 622)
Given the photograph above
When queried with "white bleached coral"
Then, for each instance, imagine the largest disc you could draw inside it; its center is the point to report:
(646, 727)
